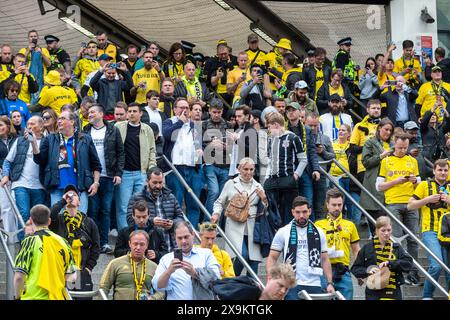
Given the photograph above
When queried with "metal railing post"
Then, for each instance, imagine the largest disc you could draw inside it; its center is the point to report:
(8, 247)
(411, 234)
(372, 220)
(221, 232)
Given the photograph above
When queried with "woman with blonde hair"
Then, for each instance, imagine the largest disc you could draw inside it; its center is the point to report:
(381, 253)
(241, 233)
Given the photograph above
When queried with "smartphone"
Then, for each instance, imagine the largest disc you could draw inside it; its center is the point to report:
(391, 82)
(406, 177)
(143, 48)
(177, 253)
(34, 40)
(114, 65)
(83, 45)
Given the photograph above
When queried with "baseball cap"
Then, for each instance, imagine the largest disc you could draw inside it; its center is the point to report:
(436, 68)
(300, 85)
(104, 56)
(71, 187)
(335, 97)
(411, 125)
(252, 38)
(294, 105)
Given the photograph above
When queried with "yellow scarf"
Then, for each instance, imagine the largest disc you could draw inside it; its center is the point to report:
(334, 239)
(72, 225)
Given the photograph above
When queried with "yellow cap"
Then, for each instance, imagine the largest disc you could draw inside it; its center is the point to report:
(53, 78)
(284, 43)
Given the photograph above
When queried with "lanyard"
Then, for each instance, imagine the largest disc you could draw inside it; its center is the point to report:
(139, 284)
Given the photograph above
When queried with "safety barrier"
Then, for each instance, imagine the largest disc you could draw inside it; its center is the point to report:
(372, 220)
(221, 232)
(87, 294)
(320, 296)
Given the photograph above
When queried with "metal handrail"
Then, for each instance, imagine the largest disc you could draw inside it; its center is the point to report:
(372, 220)
(221, 232)
(320, 296)
(14, 207)
(87, 294)
(5, 247)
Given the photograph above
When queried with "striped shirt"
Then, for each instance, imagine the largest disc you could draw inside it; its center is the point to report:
(286, 155)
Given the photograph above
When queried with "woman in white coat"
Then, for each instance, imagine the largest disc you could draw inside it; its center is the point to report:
(241, 233)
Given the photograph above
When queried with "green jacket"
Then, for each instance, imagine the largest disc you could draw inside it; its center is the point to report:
(146, 142)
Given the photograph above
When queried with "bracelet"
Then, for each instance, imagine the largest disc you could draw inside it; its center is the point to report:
(330, 283)
(97, 183)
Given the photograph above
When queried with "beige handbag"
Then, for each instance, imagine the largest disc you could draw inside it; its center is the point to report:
(380, 279)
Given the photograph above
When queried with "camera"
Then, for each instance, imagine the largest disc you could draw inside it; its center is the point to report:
(114, 65)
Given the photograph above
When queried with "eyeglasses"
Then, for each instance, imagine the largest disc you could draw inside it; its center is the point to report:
(45, 118)
(13, 90)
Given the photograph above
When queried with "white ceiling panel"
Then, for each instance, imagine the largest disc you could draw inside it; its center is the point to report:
(325, 24)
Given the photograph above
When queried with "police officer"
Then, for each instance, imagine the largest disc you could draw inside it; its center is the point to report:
(343, 60)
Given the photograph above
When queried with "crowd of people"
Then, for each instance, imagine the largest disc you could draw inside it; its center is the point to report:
(99, 139)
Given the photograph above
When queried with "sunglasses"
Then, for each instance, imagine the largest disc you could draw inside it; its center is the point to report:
(209, 226)
(13, 90)
(46, 118)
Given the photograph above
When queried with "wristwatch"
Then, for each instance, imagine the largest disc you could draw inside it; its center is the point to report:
(330, 282)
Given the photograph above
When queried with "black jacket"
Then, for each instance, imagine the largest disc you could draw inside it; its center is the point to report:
(101, 85)
(114, 153)
(211, 130)
(445, 66)
(433, 138)
(313, 160)
(391, 98)
(88, 233)
(309, 75)
(248, 144)
(181, 91)
(86, 161)
(170, 207)
(156, 243)
(4, 149)
(367, 257)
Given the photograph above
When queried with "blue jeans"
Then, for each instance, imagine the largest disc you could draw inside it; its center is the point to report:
(26, 199)
(238, 266)
(344, 286)
(215, 179)
(306, 190)
(194, 180)
(293, 292)
(100, 208)
(57, 194)
(345, 184)
(430, 239)
(132, 182)
(355, 214)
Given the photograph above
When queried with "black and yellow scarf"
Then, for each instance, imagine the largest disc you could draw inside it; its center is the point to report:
(73, 224)
(384, 254)
(333, 237)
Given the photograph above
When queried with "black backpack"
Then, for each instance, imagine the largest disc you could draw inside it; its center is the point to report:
(237, 288)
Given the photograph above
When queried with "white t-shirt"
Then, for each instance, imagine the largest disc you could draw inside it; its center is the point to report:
(98, 137)
(154, 117)
(183, 152)
(29, 178)
(279, 243)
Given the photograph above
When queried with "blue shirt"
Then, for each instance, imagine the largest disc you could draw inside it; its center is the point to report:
(16, 105)
(68, 175)
(179, 286)
(402, 108)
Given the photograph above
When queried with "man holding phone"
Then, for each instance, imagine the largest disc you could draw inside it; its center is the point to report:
(237, 77)
(176, 270)
(400, 102)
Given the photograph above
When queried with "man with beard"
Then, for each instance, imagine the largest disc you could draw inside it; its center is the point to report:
(331, 122)
(305, 248)
(157, 247)
(342, 237)
(300, 95)
(163, 207)
(415, 147)
(146, 79)
(432, 198)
